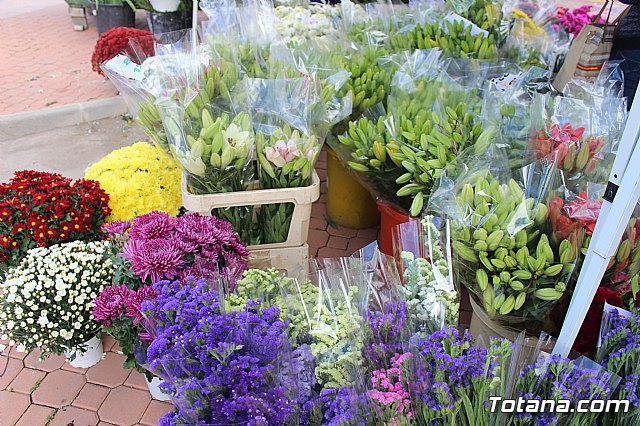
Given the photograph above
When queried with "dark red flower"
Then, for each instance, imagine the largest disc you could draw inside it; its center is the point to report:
(587, 339)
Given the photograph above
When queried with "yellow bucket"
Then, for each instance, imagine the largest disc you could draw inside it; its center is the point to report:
(349, 204)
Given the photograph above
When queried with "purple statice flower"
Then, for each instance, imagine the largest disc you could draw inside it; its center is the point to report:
(116, 228)
(110, 304)
(220, 367)
(153, 259)
(343, 407)
(135, 299)
(152, 226)
(386, 334)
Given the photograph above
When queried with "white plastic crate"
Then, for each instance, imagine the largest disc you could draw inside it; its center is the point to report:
(302, 198)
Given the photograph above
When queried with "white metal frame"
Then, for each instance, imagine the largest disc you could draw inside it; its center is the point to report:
(621, 196)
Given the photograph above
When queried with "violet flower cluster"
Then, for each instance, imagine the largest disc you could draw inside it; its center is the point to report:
(448, 370)
(220, 368)
(619, 353)
(157, 246)
(387, 334)
(556, 378)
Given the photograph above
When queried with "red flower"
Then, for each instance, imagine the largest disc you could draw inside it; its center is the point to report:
(116, 41)
(35, 209)
(588, 336)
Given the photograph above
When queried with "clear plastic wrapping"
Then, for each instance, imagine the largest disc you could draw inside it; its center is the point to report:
(503, 249)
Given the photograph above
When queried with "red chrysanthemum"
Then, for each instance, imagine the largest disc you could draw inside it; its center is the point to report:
(116, 41)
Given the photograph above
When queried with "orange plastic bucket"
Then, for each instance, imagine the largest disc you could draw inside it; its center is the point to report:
(389, 219)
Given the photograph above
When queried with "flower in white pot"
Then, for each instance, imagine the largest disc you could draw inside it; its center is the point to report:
(165, 5)
(47, 300)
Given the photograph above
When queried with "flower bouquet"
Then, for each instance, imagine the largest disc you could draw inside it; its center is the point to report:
(504, 250)
(286, 160)
(156, 247)
(566, 382)
(139, 179)
(117, 310)
(618, 354)
(219, 368)
(431, 297)
(39, 209)
(47, 300)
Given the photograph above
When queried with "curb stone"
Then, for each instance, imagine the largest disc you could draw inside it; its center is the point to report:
(26, 123)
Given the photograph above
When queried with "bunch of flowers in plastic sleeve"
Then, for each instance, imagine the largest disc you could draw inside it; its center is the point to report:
(556, 378)
(156, 247)
(39, 209)
(575, 152)
(451, 379)
(139, 179)
(619, 353)
(219, 368)
(431, 300)
(116, 41)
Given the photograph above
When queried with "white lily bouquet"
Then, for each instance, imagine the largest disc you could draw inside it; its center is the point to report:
(47, 300)
(286, 160)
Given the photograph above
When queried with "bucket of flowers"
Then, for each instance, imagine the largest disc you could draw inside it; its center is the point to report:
(47, 301)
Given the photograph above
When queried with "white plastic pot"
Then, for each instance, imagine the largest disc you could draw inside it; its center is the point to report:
(154, 388)
(165, 5)
(88, 357)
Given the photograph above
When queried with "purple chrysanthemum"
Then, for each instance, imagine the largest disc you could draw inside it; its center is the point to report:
(135, 299)
(154, 259)
(110, 304)
(152, 226)
(116, 228)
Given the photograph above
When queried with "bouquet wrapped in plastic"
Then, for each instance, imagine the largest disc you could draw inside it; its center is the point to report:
(290, 119)
(219, 368)
(431, 297)
(504, 250)
(618, 353)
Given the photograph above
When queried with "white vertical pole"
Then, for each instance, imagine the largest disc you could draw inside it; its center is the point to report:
(621, 196)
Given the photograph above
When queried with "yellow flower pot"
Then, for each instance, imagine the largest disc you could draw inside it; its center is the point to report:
(349, 204)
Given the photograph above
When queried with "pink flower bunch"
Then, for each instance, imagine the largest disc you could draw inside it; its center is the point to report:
(389, 388)
(573, 20)
(160, 247)
(117, 302)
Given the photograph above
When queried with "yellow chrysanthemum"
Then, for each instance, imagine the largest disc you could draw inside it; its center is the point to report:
(139, 179)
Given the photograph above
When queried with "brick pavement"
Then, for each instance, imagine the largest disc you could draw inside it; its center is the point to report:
(43, 61)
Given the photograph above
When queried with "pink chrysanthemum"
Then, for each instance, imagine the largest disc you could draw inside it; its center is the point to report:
(135, 301)
(116, 228)
(110, 304)
(152, 226)
(209, 234)
(154, 259)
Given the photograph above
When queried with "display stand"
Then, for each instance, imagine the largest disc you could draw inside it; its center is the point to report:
(620, 198)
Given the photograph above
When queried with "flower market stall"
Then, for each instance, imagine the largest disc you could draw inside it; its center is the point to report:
(497, 193)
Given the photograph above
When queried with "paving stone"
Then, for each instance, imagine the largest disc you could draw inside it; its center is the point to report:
(27, 380)
(107, 342)
(339, 243)
(75, 416)
(136, 380)
(108, 372)
(135, 401)
(9, 370)
(58, 389)
(318, 209)
(48, 364)
(13, 405)
(368, 233)
(317, 223)
(317, 238)
(155, 410)
(91, 397)
(341, 231)
(36, 415)
(357, 243)
(327, 252)
(13, 353)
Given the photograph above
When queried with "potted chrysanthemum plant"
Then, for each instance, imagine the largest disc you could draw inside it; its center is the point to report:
(47, 301)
